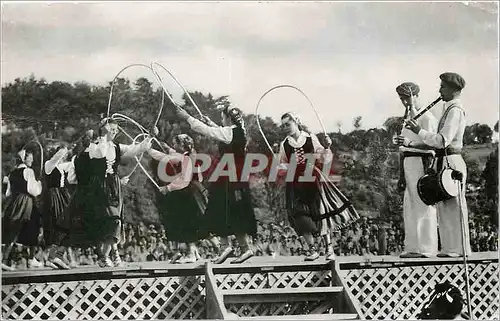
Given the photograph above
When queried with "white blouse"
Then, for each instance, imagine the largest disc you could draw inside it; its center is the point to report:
(34, 186)
(64, 167)
(323, 154)
(221, 133)
(183, 180)
(106, 149)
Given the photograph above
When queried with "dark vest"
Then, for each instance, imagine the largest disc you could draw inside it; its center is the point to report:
(237, 147)
(100, 166)
(307, 148)
(18, 184)
(54, 178)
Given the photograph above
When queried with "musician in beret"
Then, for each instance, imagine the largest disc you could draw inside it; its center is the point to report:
(420, 221)
(448, 143)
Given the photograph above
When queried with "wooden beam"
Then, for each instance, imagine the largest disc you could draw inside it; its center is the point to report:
(349, 301)
(213, 297)
(281, 294)
(336, 316)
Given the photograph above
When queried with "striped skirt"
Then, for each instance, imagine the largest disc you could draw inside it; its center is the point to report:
(21, 221)
(56, 219)
(318, 207)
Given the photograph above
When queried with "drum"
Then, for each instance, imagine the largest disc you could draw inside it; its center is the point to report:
(437, 187)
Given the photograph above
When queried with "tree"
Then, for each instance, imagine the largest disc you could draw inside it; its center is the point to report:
(496, 127)
(339, 126)
(469, 135)
(490, 175)
(483, 133)
(357, 122)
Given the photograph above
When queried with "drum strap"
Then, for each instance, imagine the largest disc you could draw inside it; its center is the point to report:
(442, 153)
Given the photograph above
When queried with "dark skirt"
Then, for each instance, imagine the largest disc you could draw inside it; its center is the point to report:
(22, 221)
(96, 212)
(318, 207)
(229, 210)
(182, 212)
(56, 219)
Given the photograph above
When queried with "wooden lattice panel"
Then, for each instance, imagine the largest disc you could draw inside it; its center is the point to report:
(267, 280)
(138, 298)
(282, 308)
(400, 292)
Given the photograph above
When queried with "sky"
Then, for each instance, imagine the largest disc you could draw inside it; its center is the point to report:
(347, 57)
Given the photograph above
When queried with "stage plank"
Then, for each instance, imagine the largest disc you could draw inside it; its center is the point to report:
(262, 263)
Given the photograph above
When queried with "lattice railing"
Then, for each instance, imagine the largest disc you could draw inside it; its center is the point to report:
(400, 292)
(137, 298)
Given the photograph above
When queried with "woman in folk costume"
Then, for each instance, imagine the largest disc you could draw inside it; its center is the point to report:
(183, 202)
(448, 144)
(99, 197)
(315, 206)
(229, 210)
(56, 220)
(420, 220)
(21, 219)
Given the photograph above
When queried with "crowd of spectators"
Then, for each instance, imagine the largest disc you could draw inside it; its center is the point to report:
(150, 243)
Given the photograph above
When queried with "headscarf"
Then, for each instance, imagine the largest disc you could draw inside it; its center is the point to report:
(293, 116)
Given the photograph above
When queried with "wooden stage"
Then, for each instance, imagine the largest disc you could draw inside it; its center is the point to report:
(351, 287)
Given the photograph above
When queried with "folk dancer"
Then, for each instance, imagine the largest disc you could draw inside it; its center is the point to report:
(229, 209)
(316, 206)
(22, 220)
(420, 220)
(183, 202)
(58, 171)
(449, 141)
(98, 200)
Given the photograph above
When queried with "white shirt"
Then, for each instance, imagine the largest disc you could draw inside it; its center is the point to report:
(451, 127)
(221, 133)
(428, 122)
(106, 149)
(34, 186)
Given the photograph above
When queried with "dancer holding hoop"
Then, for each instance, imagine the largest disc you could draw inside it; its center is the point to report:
(183, 202)
(229, 209)
(315, 206)
(58, 172)
(22, 220)
(99, 197)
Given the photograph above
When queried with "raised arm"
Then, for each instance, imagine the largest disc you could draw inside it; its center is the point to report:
(52, 163)
(157, 155)
(129, 151)
(222, 134)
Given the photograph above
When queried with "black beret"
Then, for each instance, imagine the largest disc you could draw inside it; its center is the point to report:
(453, 80)
(408, 89)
